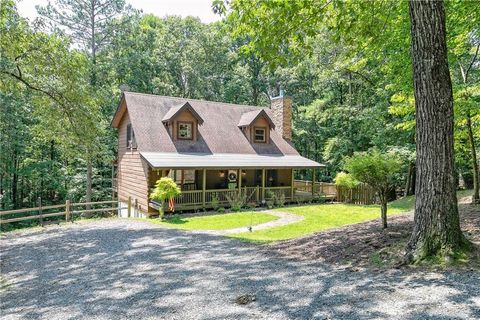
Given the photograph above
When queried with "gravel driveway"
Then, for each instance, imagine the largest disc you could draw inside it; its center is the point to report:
(125, 269)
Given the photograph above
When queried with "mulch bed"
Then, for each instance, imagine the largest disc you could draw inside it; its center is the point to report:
(356, 244)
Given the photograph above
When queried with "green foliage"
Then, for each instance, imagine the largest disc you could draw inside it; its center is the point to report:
(377, 169)
(165, 189)
(215, 202)
(374, 168)
(270, 199)
(343, 179)
(345, 63)
(273, 200)
(236, 201)
(280, 200)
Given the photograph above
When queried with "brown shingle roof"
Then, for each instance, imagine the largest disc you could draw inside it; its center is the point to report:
(180, 108)
(249, 117)
(219, 132)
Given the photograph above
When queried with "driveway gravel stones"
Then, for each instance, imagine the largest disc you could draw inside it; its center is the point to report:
(127, 269)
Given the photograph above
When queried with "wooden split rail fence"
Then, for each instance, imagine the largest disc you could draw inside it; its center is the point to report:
(67, 210)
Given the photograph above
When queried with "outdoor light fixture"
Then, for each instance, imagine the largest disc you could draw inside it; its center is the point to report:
(222, 174)
(244, 172)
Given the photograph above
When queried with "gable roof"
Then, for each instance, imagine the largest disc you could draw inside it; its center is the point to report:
(219, 133)
(248, 118)
(174, 111)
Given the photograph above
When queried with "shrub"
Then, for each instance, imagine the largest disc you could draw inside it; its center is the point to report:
(280, 201)
(237, 201)
(378, 170)
(346, 180)
(215, 202)
(165, 189)
(221, 210)
(270, 199)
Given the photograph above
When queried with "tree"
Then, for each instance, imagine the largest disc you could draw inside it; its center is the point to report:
(90, 25)
(165, 189)
(346, 180)
(378, 170)
(437, 226)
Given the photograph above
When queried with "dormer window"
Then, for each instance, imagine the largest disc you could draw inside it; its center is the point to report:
(256, 126)
(185, 130)
(260, 134)
(182, 122)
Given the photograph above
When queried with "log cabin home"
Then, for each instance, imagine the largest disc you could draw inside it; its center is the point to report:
(211, 149)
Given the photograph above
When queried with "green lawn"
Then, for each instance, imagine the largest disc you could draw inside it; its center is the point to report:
(321, 217)
(217, 222)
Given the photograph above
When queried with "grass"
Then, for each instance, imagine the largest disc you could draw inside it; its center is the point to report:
(321, 217)
(217, 222)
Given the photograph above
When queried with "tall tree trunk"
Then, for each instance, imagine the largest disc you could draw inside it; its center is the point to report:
(383, 200)
(15, 180)
(409, 190)
(437, 226)
(473, 151)
(88, 193)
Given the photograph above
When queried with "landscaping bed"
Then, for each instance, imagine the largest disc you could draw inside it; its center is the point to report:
(367, 244)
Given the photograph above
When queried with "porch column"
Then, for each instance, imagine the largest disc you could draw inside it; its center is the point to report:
(263, 183)
(313, 183)
(239, 175)
(292, 189)
(204, 186)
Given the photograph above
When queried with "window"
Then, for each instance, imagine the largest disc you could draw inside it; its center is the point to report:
(260, 135)
(131, 143)
(184, 130)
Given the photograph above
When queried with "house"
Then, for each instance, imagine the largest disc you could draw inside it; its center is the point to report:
(213, 150)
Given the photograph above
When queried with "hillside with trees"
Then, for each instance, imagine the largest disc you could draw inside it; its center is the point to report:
(347, 65)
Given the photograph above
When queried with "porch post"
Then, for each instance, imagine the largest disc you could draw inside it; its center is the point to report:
(313, 183)
(263, 183)
(291, 186)
(239, 175)
(204, 187)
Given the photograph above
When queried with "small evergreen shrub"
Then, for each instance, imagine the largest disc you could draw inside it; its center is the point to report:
(237, 201)
(215, 202)
(270, 199)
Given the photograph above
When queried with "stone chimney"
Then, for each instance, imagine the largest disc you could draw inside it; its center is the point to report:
(281, 107)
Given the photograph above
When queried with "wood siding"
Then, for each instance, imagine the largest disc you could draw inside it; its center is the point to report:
(132, 171)
(185, 116)
(261, 122)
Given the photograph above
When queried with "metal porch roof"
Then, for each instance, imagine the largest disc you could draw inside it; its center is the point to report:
(172, 160)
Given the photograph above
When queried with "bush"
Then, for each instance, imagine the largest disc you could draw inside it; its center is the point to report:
(215, 202)
(280, 201)
(346, 180)
(221, 210)
(270, 199)
(378, 170)
(165, 189)
(237, 201)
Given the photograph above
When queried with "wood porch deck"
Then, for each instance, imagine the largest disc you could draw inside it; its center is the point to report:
(300, 191)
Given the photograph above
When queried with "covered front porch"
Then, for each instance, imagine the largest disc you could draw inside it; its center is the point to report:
(202, 188)
(210, 179)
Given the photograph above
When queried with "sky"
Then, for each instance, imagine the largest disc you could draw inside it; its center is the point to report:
(161, 8)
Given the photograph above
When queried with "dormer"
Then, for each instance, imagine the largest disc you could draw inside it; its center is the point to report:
(256, 126)
(182, 122)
